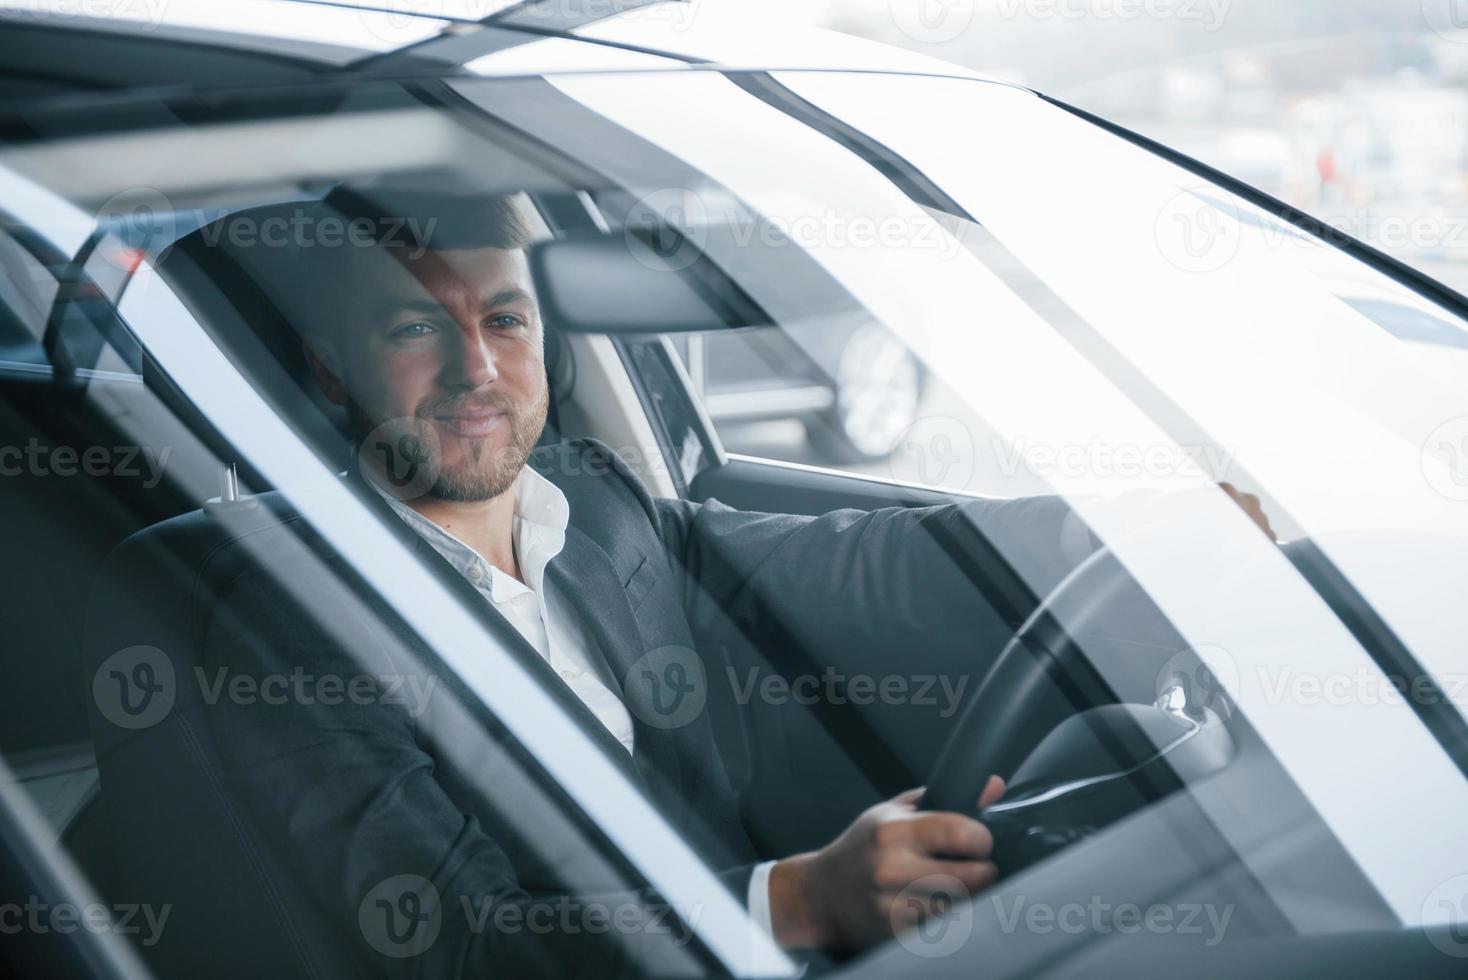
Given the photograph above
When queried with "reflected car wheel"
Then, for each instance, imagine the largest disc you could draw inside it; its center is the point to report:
(878, 387)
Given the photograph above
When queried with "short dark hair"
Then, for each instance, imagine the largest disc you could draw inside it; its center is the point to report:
(300, 276)
(418, 220)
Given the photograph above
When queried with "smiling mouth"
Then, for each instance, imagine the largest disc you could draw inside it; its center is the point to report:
(471, 425)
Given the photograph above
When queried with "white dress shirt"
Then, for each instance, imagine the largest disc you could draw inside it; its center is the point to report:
(543, 616)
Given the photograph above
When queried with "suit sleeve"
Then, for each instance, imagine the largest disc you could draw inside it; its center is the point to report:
(347, 790)
(898, 579)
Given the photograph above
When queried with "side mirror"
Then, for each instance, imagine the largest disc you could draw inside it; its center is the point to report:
(642, 282)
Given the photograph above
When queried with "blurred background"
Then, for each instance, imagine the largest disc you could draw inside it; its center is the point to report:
(1355, 111)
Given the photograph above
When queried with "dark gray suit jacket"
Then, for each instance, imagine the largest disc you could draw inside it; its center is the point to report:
(353, 794)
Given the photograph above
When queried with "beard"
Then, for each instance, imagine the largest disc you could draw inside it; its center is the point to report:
(481, 472)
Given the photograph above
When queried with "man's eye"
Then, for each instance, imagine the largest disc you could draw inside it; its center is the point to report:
(507, 321)
(411, 331)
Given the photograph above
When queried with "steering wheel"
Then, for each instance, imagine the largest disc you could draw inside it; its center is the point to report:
(1044, 702)
(1038, 680)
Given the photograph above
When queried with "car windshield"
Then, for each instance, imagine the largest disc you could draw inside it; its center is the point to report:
(1047, 348)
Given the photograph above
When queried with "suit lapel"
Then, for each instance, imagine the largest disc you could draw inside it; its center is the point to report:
(502, 629)
(589, 581)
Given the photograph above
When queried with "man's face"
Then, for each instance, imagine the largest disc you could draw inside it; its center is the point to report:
(445, 349)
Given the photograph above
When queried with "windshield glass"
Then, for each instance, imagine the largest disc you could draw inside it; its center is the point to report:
(950, 355)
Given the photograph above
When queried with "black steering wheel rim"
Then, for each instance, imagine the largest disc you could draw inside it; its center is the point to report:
(1040, 672)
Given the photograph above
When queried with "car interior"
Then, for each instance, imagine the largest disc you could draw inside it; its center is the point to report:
(129, 552)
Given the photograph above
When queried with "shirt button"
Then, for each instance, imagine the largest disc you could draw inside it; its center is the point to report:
(569, 673)
(475, 573)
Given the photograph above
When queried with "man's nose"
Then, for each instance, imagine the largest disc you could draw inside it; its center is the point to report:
(471, 359)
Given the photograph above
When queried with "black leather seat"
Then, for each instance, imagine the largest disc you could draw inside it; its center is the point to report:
(177, 837)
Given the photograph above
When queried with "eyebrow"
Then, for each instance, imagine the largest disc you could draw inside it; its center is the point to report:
(503, 297)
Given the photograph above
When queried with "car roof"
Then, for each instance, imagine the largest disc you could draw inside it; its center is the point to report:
(51, 52)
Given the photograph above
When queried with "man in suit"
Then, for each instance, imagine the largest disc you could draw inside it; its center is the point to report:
(436, 344)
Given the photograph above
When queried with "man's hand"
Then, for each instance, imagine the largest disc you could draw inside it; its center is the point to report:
(1252, 507)
(845, 896)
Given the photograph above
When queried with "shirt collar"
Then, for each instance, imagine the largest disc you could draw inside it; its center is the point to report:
(542, 515)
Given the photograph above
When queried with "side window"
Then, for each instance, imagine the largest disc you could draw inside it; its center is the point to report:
(848, 396)
(837, 396)
(27, 292)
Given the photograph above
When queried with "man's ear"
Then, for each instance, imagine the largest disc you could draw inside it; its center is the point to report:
(324, 368)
